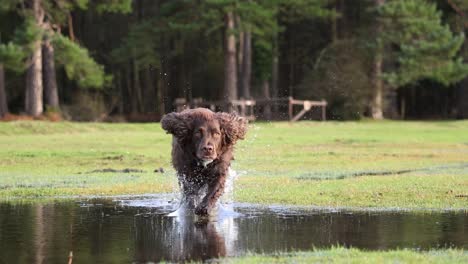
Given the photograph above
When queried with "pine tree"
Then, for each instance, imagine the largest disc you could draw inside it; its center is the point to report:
(263, 51)
(33, 97)
(232, 18)
(14, 46)
(377, 82)
(426, 49)
(79, 66)
(11, 57)
(267, 40)
(459, 18)
(460, 7)
(45, 19)
(3, 96)
(139, 53)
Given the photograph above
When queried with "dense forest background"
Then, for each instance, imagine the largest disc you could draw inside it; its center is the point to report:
(129, 60)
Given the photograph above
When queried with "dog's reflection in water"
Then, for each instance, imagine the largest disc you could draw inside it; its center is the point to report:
(182, 236)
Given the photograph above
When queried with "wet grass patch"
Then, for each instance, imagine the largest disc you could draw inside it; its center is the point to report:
(456, 169)
(357, 164)
(109, 170)
(344, 255)
(395, 191)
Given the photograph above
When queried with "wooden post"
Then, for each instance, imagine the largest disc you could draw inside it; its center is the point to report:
(323, 113)
(324, 110)
(290, 105)
(243, 108)
(181, 104)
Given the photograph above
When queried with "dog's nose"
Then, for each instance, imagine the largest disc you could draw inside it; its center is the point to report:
(208, 149)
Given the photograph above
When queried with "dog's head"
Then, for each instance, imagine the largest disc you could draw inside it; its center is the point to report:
(205, 133)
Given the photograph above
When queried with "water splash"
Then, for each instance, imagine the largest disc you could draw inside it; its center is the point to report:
(222, 208)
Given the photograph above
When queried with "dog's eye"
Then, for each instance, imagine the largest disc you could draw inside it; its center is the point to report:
(198, 134)
(217, 133)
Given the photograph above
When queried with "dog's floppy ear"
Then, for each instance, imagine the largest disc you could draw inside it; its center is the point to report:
(233, 127)
(176, 124)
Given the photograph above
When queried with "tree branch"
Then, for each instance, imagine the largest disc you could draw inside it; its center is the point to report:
(459, 11)
(70, 27)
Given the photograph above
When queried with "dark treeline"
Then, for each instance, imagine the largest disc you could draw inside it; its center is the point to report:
(91, 60)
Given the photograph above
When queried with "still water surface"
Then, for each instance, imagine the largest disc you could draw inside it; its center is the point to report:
(140, 230)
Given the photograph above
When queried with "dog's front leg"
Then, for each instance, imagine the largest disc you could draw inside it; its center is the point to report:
(215, 190)
(190, 189)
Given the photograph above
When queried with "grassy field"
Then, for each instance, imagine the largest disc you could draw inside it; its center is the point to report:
(342, 255)
(414, 165)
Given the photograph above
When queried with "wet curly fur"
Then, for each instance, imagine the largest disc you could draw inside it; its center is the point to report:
(194, 175)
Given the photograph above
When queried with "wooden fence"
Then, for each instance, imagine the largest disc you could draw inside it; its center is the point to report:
(246, 108)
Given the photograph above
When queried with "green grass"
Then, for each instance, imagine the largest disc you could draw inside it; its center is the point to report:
(415, 165)
(342, 255)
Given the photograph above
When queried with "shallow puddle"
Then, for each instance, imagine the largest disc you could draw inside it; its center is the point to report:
(140, 230)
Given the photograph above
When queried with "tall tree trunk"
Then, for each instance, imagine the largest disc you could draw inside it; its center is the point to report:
(182, 77)
(377, 96)
(342, 29)
(161, 108)
(33, 99)
(292, 61)
(291, 77)
(189, 95)
(274, 74)
(131, 95)
(334, 24)
(34, 87)
(137, 87)
(462, 91)
(71, 32)
(3, 96)
(266, 95)
(148, 91)
(230, 64)
(462, 95)
(119, 86)
(50, 80)
(246, 64)
(240, 57)
(161, 78)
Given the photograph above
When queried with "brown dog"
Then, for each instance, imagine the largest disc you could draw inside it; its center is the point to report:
(202, 150)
